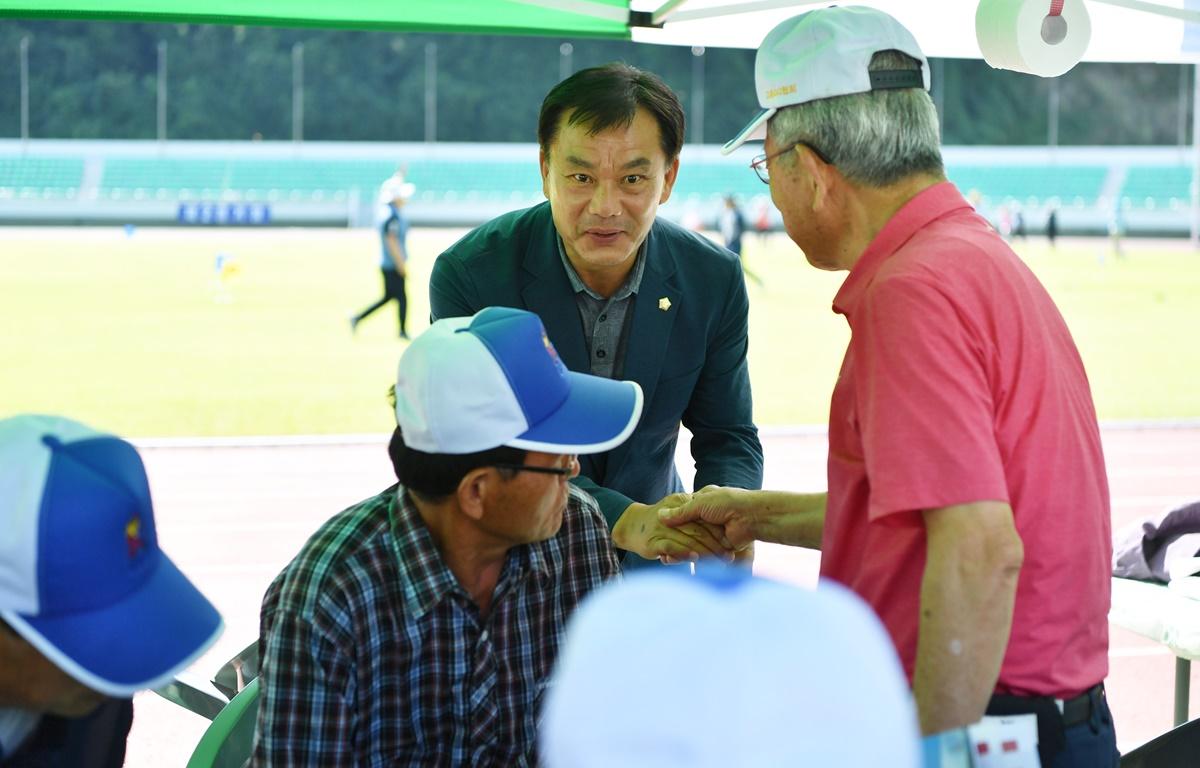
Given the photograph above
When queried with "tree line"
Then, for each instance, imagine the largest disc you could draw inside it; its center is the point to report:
(99, 80)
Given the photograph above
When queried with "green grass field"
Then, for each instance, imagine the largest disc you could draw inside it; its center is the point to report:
(126, 333)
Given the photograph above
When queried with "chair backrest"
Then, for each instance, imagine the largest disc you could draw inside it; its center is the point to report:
(1178, 746)
(229, 740)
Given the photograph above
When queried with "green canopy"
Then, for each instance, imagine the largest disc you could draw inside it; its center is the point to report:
(575, 18)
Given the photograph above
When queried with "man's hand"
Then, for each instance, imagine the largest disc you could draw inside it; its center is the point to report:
(733, 510)
(779, 517)
(639, 530)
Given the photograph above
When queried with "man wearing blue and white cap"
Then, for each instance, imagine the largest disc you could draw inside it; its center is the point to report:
(419, 626)
(963, 444)
(91, 610)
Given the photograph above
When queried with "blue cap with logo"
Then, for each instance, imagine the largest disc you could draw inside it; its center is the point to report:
(82, 578)
(470, 384)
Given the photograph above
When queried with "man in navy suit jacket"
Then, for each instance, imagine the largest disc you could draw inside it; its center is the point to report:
(625, 295)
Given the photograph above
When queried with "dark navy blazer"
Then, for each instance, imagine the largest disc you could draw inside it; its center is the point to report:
(690, 359)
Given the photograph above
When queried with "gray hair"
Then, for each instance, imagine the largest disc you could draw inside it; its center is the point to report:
(875, 138)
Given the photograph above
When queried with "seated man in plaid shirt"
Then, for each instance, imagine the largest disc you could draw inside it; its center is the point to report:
(419, 627)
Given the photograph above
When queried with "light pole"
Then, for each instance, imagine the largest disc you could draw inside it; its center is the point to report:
(564, 61)
(162, 90)
(298, 92)
(698, 94)
(431, 92)
(25, 88)
(1052, 107)
(1181, 127)
(1195, 235)
(937, 73)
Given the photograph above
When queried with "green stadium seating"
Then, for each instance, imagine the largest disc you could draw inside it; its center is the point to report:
(700, 182)
(163, 178)
(40, 177)
(1031, 185)
(1163, 186)
(709, 181)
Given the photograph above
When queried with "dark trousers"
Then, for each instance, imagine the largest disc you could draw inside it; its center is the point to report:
(393, 288)
(1091, 742)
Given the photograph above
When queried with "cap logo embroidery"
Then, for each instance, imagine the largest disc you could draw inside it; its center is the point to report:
(133, 537)
(782, 90)
(550, 348)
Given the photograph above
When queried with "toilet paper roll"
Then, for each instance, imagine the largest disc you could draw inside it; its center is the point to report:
(1017, 35)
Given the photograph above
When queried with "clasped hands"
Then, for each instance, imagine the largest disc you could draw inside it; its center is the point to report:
(712, 522)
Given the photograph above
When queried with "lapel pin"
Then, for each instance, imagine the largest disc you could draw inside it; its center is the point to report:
(664, 303)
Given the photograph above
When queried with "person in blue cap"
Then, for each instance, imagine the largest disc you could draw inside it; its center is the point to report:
(91, 610)
(419, 626)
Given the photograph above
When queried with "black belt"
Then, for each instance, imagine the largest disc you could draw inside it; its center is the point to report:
(1079, 709)
(1054, 715)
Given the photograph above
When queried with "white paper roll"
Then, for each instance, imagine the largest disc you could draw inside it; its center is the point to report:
(1010, 35)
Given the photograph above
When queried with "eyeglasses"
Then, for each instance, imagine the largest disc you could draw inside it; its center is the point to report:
(759, 164)
(566, 471)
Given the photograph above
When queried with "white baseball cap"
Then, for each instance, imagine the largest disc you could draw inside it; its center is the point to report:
(826, 53)
(730, 670)
(397, 187)
(470, 384)
(81, 576)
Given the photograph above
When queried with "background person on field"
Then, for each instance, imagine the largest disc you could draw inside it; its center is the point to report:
(393, 259)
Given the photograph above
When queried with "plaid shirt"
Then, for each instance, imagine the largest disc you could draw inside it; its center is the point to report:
(374, 655)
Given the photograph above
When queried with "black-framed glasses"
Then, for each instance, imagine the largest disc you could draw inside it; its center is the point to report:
(759, 164)
(566, 471)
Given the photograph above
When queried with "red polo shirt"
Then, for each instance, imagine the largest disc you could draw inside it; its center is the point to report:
(961, 383)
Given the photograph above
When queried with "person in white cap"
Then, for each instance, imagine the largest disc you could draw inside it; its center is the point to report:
(755, 673)
(91, 610)
(393, 257)
(419, 627)
(967, 500)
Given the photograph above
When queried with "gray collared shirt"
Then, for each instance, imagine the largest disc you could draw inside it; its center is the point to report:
(606, 320)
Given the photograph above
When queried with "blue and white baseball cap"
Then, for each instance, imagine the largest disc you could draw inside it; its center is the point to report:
(825, 53)
(470, 384)
(81, 576)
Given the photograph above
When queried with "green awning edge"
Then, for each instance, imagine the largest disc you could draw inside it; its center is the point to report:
(591, 28)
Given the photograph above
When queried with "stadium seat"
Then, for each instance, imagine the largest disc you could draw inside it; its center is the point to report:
(229, 740)
(33, 177)
(1153, 187)
(1074, 185)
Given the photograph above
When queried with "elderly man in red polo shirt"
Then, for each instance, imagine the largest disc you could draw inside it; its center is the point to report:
(967, 501)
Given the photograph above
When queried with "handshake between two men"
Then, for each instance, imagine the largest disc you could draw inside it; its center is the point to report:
(720, 522)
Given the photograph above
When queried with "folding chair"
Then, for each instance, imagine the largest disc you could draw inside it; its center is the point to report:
(229, 740)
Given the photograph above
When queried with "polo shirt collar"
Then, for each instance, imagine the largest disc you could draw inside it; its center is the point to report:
(426, 579)
(925, 207)
(633, 281)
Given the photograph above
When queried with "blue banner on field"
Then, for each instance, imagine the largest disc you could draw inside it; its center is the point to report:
(224, 214)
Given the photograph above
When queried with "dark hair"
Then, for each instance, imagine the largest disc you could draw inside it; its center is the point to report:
(434, 476)
(603, 97)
